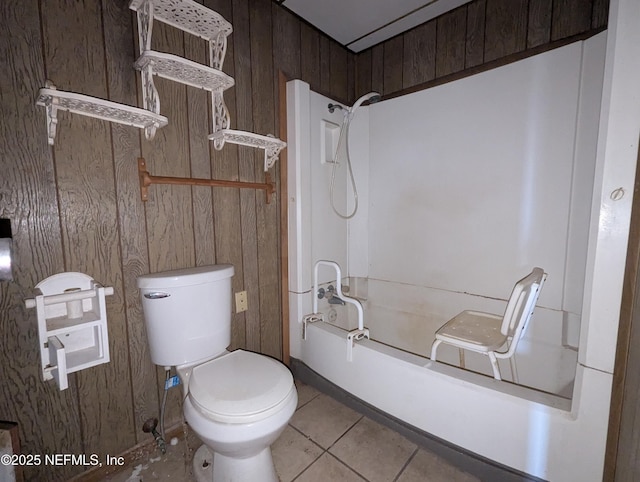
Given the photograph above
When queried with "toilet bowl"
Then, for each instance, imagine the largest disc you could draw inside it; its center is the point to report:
(238, 403)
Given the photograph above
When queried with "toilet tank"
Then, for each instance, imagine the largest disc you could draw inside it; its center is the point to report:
(187, 313)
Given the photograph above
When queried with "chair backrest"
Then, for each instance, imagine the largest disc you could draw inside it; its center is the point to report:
(520, 306)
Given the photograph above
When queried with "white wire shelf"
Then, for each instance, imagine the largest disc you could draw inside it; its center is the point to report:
(187, 15)
(184, 71)
(54, 100)
(271, 145)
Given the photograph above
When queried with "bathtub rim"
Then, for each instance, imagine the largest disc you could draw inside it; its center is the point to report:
(528, 394)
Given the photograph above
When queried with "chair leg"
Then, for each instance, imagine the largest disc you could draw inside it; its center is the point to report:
(514, 368)
(494, 365)
(434, 348)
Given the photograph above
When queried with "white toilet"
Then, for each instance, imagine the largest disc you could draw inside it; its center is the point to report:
(237, 402)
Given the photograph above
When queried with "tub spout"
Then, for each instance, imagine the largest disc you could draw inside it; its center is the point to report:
(334, 300)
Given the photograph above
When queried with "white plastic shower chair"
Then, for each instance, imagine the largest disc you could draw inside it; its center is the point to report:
(487, 333)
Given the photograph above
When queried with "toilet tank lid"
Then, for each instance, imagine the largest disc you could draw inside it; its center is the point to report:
(186, 276)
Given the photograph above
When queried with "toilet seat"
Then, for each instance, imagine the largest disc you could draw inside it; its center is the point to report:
(240, 387)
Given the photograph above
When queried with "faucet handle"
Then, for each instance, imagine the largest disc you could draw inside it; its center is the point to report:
(328, 293)
(150, 425)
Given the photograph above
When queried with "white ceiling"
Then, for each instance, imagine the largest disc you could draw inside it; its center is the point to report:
(360, 24)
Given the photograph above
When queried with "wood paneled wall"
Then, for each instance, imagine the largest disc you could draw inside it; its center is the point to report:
(474, 36)
(76, 206)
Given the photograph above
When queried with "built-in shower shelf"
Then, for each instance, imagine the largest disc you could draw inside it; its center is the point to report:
(54, 100)
(271, 145)
(188, 16)
(184, 71)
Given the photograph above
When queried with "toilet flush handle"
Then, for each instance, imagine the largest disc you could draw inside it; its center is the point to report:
(155, 295)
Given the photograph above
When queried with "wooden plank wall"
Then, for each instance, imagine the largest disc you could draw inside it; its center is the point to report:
(76, 206)
(479, 34)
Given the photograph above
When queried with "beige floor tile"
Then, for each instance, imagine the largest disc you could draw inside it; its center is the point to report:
(292, 453)
(428, 467)
(329, 469)
(306, 393)
(170, 466)
(360, 450)
(324, 420)
(373, 450)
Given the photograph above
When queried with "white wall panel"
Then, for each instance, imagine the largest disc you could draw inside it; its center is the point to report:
(471, 181)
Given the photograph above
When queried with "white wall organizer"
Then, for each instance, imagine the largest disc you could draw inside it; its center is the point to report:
(198, 20)
(192, 18)
(185, 15)
(72, 324)
(184, 71)
(271, 145)
(54, 100)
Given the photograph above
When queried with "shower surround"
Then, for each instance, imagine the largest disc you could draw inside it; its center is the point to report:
(463, 188)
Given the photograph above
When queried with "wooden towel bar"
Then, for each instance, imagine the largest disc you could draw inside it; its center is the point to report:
(147, 180)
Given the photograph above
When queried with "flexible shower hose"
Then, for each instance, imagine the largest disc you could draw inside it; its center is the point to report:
(344, 133)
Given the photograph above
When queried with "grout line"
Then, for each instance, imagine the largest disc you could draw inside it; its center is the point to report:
(308, 401)
(308, 466)
(406, 463)
(335, 456)
(308, 438)
(345, 433)
(312, 462)
(324, 451)
(327, 450)
(347, 466)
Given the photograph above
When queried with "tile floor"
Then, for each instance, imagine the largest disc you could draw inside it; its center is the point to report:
(324, 441)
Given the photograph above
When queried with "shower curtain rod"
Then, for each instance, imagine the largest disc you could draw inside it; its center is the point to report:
(147, 180)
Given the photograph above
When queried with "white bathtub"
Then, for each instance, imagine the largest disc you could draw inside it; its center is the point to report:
(406, 317)
(533, 430)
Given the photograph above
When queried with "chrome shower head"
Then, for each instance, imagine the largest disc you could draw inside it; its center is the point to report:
(375, 97)
(371, 97)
